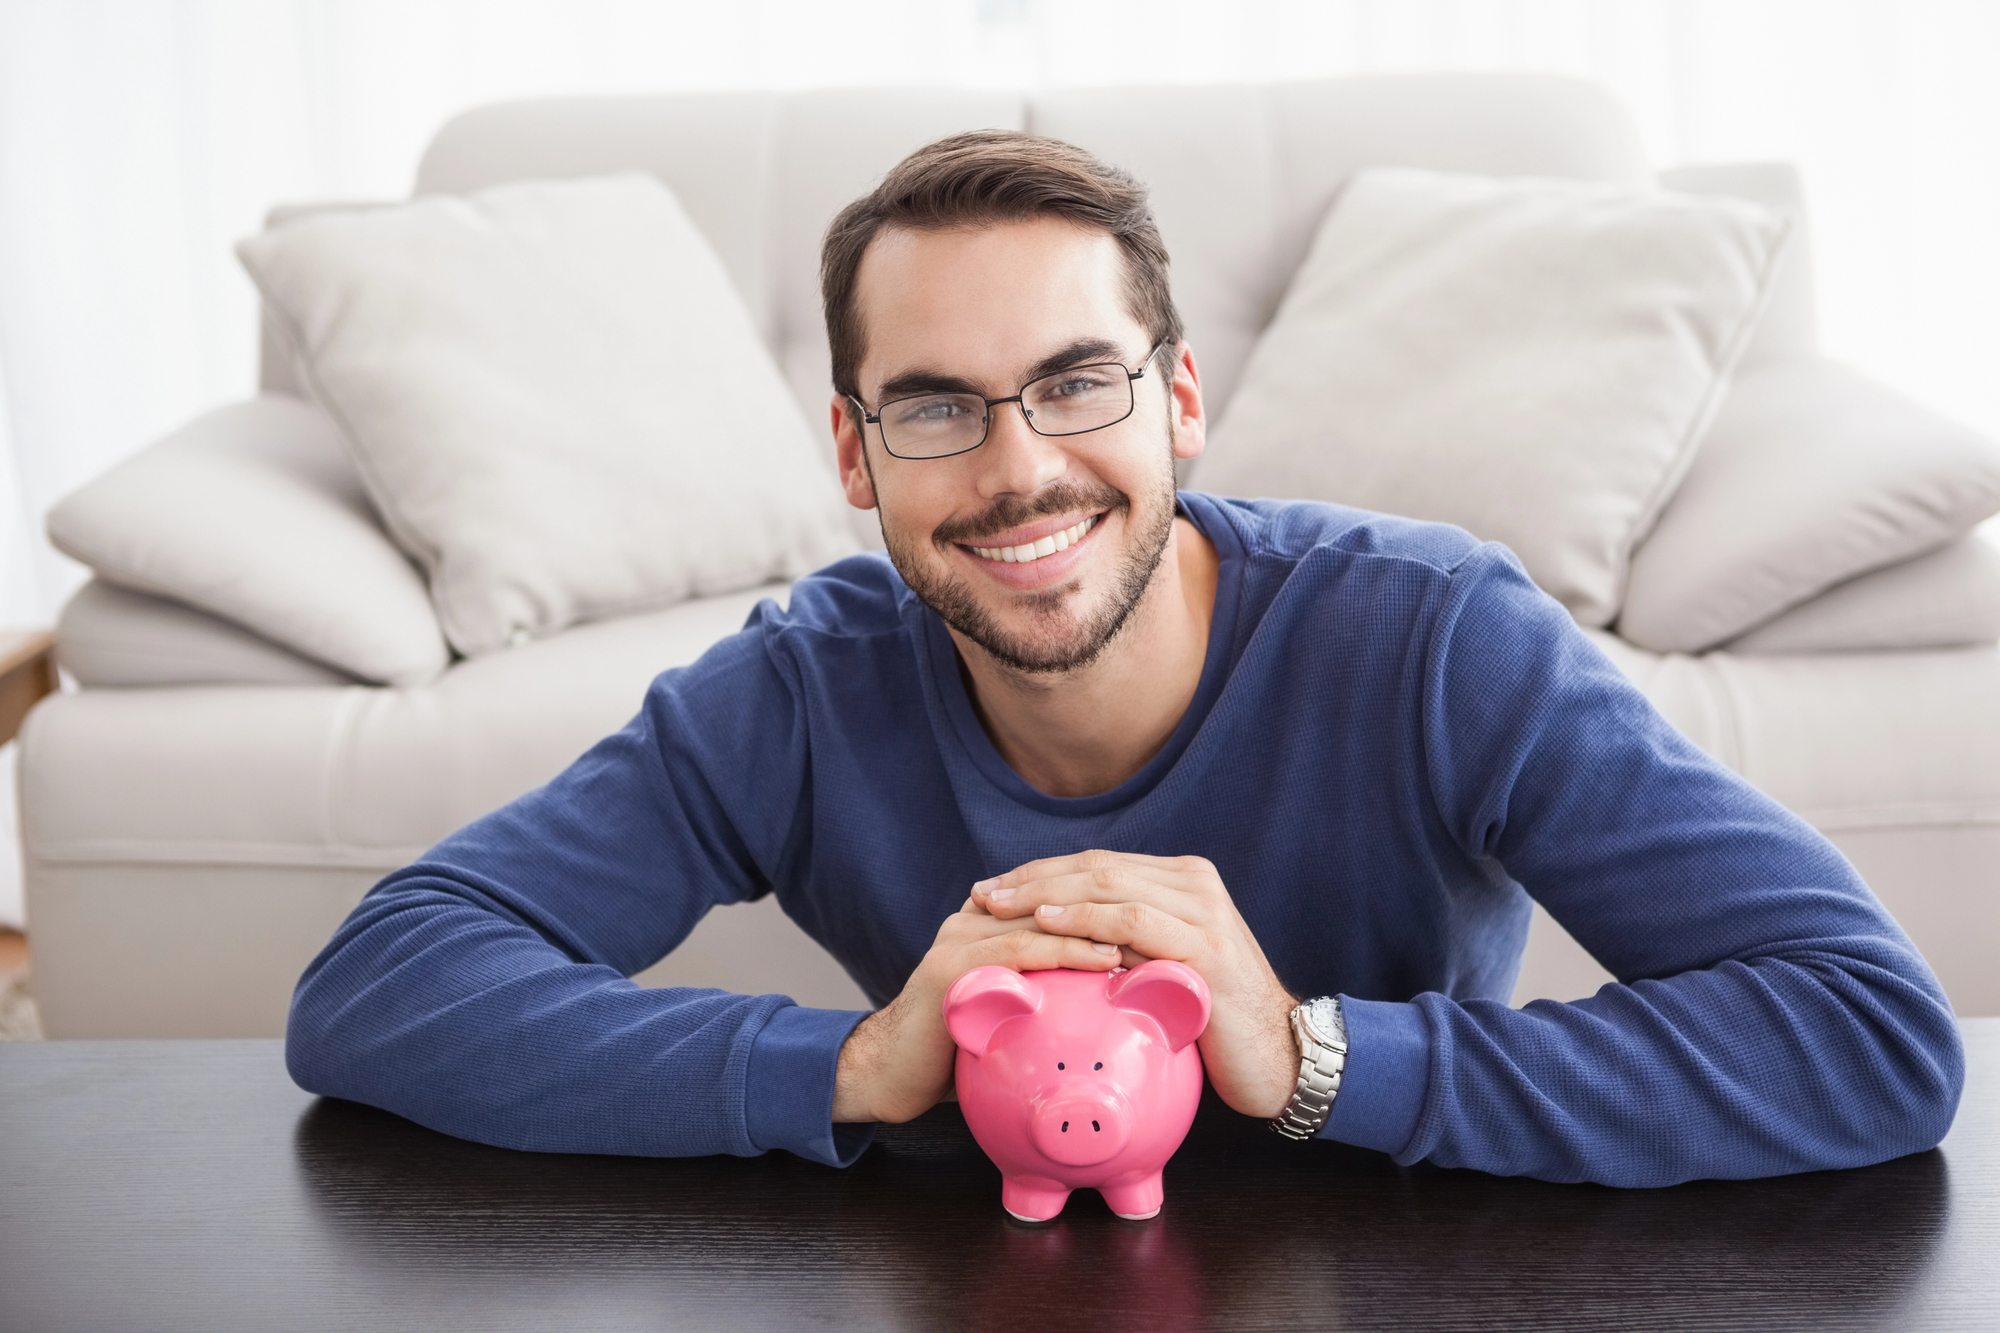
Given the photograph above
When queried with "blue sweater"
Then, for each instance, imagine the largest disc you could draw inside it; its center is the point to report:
(1397, 739)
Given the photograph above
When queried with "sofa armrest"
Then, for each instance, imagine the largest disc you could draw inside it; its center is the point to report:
(1812, 474)
(112, 637)
(254, 514)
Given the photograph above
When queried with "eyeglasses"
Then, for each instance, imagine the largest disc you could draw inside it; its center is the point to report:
(1069, 402)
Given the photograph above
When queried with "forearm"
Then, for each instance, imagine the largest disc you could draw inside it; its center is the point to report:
(1771, 1017)
(1818, 1058)
(453, 1014)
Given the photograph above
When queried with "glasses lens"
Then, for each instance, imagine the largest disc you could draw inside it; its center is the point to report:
(933, 424)
(1074, 401)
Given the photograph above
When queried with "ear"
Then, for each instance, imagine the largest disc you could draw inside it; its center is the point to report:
(984, 998)
(1171, 994)
(1190, 417)
(850, 453)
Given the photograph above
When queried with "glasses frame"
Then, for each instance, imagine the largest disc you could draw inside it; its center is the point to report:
(1027, 416)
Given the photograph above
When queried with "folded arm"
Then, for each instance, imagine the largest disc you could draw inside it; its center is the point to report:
(1769, 1015)
(483, 991)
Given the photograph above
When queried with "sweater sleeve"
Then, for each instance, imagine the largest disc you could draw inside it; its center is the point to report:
(483, 991)
(1768, 1016)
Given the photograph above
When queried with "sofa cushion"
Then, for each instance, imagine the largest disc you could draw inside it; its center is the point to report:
(1811, 475)
(1948, 598)
(112, 636)
(556, 400)
(253, 513)
(1533, 360)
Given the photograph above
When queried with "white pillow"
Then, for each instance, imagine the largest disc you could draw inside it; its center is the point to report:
(1530, 359)
(253, 513)
(556, 400)
(1811, 475)
(1947, 598)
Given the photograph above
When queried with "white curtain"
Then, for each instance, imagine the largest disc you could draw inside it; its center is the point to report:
(138, 138)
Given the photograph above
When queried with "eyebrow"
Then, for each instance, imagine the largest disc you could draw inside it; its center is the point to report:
(923, 379)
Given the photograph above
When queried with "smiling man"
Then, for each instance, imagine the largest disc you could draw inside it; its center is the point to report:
(1078, 719)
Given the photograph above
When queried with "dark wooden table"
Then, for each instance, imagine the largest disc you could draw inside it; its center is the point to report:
(190, 1185)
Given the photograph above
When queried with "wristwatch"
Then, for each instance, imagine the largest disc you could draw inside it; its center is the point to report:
(1322, 1038)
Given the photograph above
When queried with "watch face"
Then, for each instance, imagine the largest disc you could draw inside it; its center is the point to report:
(1323, 1016)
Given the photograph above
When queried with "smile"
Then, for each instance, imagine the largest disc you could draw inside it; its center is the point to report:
(1035, 550)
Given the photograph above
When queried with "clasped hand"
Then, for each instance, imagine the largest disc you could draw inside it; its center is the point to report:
(1093, 911)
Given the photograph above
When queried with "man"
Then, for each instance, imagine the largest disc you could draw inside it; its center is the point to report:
(1074, 720)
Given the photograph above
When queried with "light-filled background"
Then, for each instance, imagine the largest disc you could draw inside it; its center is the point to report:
(138, 138)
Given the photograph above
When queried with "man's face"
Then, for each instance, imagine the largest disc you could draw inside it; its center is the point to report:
(985, 310)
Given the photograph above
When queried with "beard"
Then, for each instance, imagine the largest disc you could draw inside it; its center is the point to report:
(1058, 639)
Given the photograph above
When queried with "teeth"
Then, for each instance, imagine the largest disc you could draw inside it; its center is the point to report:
(1049, 545)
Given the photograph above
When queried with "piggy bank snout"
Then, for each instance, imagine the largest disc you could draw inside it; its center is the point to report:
(1081, 1126)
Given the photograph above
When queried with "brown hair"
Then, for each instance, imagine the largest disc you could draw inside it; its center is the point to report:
(980, 178)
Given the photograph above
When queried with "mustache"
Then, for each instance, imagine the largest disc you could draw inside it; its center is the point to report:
(1011, 511)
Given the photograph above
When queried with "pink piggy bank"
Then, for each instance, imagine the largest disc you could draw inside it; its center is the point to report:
(1079, 1079)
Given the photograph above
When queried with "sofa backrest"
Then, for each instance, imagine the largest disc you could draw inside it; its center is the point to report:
(1241, 174)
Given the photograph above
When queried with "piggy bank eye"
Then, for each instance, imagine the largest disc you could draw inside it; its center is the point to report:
(1098, 1065)
(1059, 1064)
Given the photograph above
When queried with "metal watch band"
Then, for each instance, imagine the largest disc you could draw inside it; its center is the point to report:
(1320, 1066)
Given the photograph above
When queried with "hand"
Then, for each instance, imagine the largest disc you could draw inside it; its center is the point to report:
(1178, 908)
(897, 1063)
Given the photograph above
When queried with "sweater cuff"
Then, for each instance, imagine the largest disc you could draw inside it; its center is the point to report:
(1386, 1075)
(789, 1086)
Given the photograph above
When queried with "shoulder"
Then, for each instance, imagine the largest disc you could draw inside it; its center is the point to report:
(837, 630)
(1311, 549)
(858, 598)
(1293, 532)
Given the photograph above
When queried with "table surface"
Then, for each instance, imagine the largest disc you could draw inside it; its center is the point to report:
(190, 1185)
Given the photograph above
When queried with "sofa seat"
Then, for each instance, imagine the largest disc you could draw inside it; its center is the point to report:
(1895, 756)
(309, 795)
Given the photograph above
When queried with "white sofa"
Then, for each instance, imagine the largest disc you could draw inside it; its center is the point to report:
(199, 815)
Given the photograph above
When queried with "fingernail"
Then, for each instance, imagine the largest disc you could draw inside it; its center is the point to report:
(983, 887)
(1104, 948)
(1049, 909)
(999, 895)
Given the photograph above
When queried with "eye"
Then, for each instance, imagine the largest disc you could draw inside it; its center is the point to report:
(1075, 384)
(1098, 1065)
(1059, 1064)
(930, 411)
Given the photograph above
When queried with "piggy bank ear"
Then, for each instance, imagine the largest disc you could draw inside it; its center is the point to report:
(983, 999)
(1171, 994)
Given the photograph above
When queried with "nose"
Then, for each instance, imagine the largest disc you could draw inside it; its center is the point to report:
(1082, 1126)
(1014, 459)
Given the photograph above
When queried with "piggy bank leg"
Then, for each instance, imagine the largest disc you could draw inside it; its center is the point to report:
(1033, 1198)
(1135, 1198)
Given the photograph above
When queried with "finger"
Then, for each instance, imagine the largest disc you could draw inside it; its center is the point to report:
(1037, 951)
(1105, 884)
(962, 928)
(1161, 868)
(1141, 927)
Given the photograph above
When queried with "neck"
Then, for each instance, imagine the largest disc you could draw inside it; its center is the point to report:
(1087, 731)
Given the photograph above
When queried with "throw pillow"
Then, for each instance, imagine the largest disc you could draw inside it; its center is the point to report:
(1533, 360)
(555, 398)
(253, 513)
(1812, 475)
